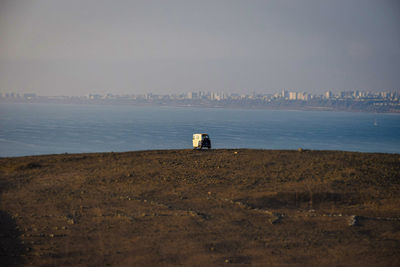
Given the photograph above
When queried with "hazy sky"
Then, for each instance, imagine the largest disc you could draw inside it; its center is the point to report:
(76, 47)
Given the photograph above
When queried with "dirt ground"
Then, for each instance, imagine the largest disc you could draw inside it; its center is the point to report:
(201, 208)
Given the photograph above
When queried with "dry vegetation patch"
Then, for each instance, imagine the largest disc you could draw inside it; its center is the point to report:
(204, 208)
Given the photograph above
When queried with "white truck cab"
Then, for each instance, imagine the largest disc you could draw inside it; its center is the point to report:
(201, 140)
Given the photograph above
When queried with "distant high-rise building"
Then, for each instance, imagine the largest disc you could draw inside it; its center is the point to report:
(305, 96)
(285, 94)
(328, 94)
(384, 94)
(302, 96)
(292, 95)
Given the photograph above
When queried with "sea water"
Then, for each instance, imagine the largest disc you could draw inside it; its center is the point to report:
(33, 129)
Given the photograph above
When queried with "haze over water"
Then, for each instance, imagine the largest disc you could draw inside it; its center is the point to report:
(33, 129)
(128, 47)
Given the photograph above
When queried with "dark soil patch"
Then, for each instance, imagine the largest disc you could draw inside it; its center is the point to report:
(293, 200)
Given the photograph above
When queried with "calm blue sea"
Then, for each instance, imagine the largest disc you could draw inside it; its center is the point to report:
(32, 129)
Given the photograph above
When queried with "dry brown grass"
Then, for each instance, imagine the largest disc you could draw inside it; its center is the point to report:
(201, 208)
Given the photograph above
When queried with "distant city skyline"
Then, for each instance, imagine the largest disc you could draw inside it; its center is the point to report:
(218, 96)
(73, 48)
(283, 93)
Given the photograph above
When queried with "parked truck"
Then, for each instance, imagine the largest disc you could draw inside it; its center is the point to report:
(201, 140)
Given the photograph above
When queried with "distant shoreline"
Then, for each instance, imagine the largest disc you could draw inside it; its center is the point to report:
(293, 107)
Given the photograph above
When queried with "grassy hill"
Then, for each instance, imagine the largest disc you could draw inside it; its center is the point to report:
(201, 208)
